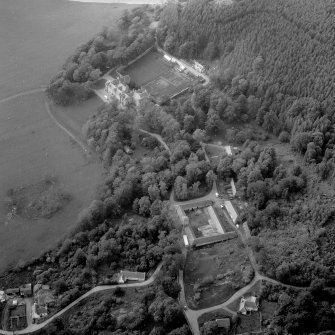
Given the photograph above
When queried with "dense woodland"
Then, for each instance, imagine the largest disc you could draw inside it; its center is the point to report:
(278, 54)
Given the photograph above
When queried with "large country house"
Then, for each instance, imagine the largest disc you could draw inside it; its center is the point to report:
(119, 88)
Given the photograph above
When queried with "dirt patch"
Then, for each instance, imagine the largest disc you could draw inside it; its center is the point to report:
(40, 200)
(214, 274)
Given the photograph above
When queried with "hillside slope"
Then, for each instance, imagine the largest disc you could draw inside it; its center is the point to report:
(279, 51)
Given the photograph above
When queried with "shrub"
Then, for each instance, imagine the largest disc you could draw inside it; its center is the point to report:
(284, 137)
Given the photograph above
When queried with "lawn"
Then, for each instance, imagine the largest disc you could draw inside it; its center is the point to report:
(157, 75)
(248, 323)
(214, 152)
(33, 147)
(35, 42)
(198, 218)
(75, 116)
(217, 314)
(213, 274)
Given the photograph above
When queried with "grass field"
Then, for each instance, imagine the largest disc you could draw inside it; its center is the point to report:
(157, 76)
(212, 275)
(38, 35)
(31, 148)
(198, 218)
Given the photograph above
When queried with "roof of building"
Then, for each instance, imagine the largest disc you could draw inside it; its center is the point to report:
(12, 290)
(223, 323)
(132, 275)
(25, 288)
(249, 303)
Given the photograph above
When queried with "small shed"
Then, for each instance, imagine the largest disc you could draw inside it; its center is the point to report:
(13, 291)
(26, 290)
(124, 276)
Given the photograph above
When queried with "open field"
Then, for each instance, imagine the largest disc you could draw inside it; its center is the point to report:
(33, 147)
(248, 323)
(157, 76)
(76, 116)
(214, 153)
(38, 35)
(198, 218)
(212, 275)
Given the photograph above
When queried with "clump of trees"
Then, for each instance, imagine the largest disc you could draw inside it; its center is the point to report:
(108, 49)
(308, 310)
(151, 312)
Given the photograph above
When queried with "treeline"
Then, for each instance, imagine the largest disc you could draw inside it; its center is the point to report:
(277, 54)
(108, 49)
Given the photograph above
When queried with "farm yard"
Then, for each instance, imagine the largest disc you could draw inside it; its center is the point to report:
(198, 220)
(158, 76)
(33, 147)
(213, 274)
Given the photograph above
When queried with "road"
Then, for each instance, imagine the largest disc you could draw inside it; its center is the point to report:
(68, 132)
(18, 95)
(159, 138)
(34, 327)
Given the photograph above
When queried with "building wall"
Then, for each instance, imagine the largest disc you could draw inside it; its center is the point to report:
(215, 219)
(231, 210)
(201, 241)
(197, 204)
(233, 187)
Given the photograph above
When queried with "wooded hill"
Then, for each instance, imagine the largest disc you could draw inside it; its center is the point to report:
(281, 50)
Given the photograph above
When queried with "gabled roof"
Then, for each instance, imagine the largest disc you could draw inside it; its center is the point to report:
(12, 290)
(25, 288)
(249, 304)
(132, 275)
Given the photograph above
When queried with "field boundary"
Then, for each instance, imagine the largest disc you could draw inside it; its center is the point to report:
(79, 142)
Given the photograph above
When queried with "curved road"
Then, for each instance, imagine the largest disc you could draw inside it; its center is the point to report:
(68, 132)
(36, 90)
(33, 327)
(48, 110)
(158, 137)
